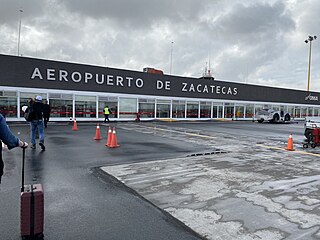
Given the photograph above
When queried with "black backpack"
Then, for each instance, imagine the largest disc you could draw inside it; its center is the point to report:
(28, 114)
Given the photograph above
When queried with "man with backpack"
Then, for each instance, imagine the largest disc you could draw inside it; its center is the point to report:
(36, 122)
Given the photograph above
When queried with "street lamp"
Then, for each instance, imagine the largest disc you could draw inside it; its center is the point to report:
(171, 56)
(21, 11)
(309, 40)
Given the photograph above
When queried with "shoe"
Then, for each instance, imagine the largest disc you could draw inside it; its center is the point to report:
(42, 146)
(33, 146)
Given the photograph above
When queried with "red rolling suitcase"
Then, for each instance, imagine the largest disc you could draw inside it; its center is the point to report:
(32, 208)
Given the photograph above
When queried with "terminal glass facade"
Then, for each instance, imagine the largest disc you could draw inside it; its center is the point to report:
(74, 105)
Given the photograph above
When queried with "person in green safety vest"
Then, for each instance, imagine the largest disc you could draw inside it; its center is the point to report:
(106, 112)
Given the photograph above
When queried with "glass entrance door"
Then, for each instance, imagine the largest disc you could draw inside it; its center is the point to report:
(163, 110)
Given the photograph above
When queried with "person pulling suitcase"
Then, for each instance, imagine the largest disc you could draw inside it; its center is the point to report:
(9, 139)
(31, 208)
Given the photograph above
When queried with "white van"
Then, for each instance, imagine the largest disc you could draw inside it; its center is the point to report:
(271, 115)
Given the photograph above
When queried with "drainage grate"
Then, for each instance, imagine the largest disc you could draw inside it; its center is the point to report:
(218, 151)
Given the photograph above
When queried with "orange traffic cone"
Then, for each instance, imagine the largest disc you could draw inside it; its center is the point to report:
(75, 126)
(290, 143)
(98, 134)
(109, 137)
(114, 143)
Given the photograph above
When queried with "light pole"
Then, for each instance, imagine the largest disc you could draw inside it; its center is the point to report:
(20, 12)
(309, 40)
(171, 56)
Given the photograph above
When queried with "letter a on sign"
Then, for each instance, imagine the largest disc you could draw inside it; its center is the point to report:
(36, 73)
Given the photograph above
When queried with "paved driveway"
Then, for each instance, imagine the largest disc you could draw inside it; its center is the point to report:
(240, 187)
(81, 203)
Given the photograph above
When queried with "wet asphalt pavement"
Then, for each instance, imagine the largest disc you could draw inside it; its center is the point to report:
(250, 188)
(81, 202)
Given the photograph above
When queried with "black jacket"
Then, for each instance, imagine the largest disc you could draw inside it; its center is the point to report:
(37, 111)
(46, 110)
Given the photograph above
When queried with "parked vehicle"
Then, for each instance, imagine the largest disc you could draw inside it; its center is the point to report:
(310, 123)
(272, 115)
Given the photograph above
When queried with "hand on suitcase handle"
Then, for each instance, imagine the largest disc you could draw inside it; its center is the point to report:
(23, 144)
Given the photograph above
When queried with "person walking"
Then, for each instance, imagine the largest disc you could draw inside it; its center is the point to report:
(9, 139)
(46, 113)
(107, 112)
(36, 123)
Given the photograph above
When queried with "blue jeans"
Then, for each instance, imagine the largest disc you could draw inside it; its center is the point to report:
(34, 125)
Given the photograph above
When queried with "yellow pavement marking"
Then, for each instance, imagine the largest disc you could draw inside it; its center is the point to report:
(297, 151)
(223, 120)
(185, 133)
(167, 120)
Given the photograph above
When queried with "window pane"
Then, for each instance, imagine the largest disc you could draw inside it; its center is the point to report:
(303, 112)
(178, 109)
(192, 109)
(8, 106)
(163, 110)
(217, 110)
(112, 103)
(85, 98)
(239, 112)
(60, 108)
(228, 111)
(249, 111)
(205, 109)
(85, 106)
(162, 101)
(127, 107)
(146, 110)
(297, 112)
(291, 110)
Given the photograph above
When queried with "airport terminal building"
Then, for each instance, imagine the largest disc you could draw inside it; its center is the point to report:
(82, 91)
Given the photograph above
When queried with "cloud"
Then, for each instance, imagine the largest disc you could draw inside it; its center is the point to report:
(259, 42)
(136, 14)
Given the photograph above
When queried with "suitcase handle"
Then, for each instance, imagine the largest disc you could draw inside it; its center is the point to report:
(22, 175)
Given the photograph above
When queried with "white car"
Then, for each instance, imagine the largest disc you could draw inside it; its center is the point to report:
(272, 115)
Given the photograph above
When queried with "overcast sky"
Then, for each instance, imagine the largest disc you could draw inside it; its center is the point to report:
(246, 41)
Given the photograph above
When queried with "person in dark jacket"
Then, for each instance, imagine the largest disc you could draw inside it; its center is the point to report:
(46, 113)
(9, 139)
(36, 122)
